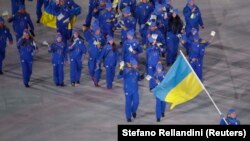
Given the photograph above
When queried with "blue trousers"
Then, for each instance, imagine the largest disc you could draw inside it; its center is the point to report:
(18, 36)
(75, 70)
(159, 108)
(151, 72)
(110, 74)
(131, 104)
(89, 16)
(2, 57)
(197, 66)
(26, 70)
(93, 72)
(58, 73)
(39, 6)
(172, 48)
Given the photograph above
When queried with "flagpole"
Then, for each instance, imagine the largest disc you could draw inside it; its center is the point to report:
(204, 87)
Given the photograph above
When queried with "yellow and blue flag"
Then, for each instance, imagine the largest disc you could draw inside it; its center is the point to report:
(180, 84)
(49, 17)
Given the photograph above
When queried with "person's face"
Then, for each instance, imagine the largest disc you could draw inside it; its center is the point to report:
(233, 115)
(98, 45)
(21, 11)
(174, 15)
(26, 36)
(153, 27)
(170, 2)
(159, 70)
(98, 31)
(102, 3)
(194, 32)
(109, 9)
(111, 42)
(130, 37)
(191, 2)
(135, 66)
(1, 24)
(75, 35)
(61, 2)
(144, 1)
(59, 39)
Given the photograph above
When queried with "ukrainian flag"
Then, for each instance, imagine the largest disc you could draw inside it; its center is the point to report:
(49, 17)
(180, 84)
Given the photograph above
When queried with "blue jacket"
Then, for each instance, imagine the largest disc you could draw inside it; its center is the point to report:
(130, 77)
(21, 22)
(4, 35)
(93, 50)
(160, 38)
(197, 50)
(126, 54)
(57, 50)
(158, 77)
(73, 6)
(153, 55)
(77, 50)
(129, 23)
(93, 3)
(230, 121)
(107, 19)
(91, 37)
(130, 3)
(110, 57)
(194, 22)
(143, 12)
(26, 49)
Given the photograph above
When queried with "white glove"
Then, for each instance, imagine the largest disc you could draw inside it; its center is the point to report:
(213, 33)
(192, 16)
(130, 49)
(122, 65)
(148, 77)
(154, 36)
(5, 13)
(45, 43)
(153, 17)
(179, 36)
